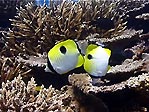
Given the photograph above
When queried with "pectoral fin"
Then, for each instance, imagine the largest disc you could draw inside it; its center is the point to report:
(80, 61)
(47, 69)
(109, 67)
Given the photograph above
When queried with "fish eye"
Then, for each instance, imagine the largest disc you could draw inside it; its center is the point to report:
(63, 49)
(89, 56)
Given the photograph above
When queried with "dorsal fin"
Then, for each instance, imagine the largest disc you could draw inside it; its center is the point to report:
(108, 51)
(91, 47)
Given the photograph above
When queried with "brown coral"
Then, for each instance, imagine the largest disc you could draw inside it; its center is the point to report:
(123, 82)
(144, 16)
(42, 26)
(17, 96)
(83, 82)
(117, 96)
(8, 10)
(10, 68)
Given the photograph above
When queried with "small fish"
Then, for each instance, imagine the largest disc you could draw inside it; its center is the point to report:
(64, 57)
(97, 60)
(38, 88)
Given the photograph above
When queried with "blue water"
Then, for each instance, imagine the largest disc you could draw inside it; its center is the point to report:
(41, 2)
(47, 2)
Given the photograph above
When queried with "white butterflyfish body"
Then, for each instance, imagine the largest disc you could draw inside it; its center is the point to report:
(97, 60)
(64, 57)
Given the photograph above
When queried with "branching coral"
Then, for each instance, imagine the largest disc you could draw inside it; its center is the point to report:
(36, 29)
(144, 16)
(17, 96)
(129, 7)
(8, 10)
(9, 68)
(42, 26)
(40, 61)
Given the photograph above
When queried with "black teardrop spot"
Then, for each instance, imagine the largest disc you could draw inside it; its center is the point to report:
(89, 56)
(63, 49)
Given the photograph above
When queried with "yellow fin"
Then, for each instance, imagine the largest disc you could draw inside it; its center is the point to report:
(109, 67)
(91, 47)
(108, 51)
(69, 44)
(80, 61)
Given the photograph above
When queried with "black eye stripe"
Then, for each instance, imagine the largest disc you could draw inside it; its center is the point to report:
(89, 56)
(63, 49)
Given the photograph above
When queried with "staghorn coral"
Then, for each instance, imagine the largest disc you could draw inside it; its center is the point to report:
(144, 16)
(42, 26)
(1, 40)
(8, 10)
(10, 68)
(129, 7)
(40, 61)
(16, 96)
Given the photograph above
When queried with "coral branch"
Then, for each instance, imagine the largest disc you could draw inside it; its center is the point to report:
(42, 26)
(33, 60)
(83, 82)
(10, 68)
(143, 16)
(17, 96)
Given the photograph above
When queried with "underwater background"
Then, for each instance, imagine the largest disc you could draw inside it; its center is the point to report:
(30, 28)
